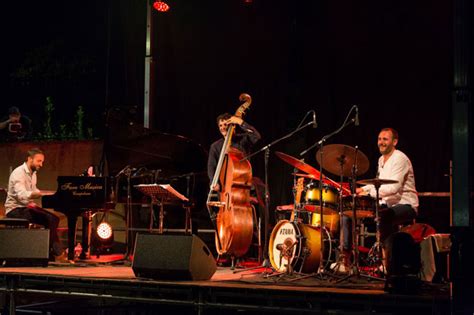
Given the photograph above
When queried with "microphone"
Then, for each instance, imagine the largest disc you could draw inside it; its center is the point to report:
(315, 124)
(356, 121)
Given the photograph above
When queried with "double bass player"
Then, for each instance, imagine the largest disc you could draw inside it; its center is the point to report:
(229, 200)
(243, 140)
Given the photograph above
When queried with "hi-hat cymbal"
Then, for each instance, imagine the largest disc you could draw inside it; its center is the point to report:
(376, 181)
(339, 159)
(302, 166)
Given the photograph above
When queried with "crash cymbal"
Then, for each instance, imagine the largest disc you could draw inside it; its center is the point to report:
(376, 181)
(302, 166)
(338, 159)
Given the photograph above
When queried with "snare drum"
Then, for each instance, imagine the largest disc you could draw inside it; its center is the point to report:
(313, 198)
(365, 206)
(299, 245)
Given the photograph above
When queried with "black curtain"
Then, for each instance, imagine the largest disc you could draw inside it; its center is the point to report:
(393, 59)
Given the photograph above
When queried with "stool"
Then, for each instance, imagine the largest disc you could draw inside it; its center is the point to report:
(14, 223)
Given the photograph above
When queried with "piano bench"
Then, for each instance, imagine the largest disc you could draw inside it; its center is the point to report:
(14, 223)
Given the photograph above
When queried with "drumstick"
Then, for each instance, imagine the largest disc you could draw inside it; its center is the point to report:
(47, 192)
(337, 185)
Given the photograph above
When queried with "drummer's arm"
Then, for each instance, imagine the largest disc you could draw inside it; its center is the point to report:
(364, 190)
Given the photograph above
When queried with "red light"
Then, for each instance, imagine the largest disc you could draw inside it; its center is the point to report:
(161, 6)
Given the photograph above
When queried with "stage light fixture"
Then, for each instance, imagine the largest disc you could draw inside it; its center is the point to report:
(104, 231)
(161, 6)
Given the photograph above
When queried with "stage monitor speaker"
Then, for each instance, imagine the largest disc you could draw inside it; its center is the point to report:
(24, 247)
(172, 257)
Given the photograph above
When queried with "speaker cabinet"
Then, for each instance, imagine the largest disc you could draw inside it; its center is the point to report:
(24, 247)
(172, 257)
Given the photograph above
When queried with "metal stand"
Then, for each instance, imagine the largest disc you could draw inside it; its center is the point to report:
(342, 256)
(266, 262)
(376, 251)
(287, 253)
(354, 268)
(321, 270)
(161, 194)
(320, 143)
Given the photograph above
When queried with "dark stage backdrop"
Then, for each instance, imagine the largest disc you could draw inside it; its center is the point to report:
(391, 58)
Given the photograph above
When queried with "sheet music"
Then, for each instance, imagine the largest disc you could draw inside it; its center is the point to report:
(173, 191)
(151, 189)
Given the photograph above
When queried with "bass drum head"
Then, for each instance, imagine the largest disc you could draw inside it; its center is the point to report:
(295, 244)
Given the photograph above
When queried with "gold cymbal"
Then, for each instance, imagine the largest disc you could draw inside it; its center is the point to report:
(299, 164)
(338, 159)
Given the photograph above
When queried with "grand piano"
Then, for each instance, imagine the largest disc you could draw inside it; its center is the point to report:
(153, 157)
(74, 196)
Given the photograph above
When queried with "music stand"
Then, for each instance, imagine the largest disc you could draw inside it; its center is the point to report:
(161, 194)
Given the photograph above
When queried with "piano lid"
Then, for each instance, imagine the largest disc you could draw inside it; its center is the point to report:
(132, 144)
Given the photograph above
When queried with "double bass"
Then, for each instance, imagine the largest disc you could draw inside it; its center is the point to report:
(231, 201)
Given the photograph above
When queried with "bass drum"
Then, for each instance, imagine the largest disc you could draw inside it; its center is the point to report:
(299, 245)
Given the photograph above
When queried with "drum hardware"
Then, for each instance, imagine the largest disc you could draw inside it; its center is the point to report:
(266, 149)
(376, 251)
(364, 233)
(342, 155)
(287, 253)
(325, 160)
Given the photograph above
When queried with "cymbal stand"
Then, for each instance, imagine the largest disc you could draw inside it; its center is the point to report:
(354, 269)
(342, 256)
(320, 143)
(376, 251)
(321, 270)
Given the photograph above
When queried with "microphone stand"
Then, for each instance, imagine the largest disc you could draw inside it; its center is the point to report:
(320, 143)
(266, 148)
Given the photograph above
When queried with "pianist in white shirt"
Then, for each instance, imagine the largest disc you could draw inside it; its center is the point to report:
(21, 194)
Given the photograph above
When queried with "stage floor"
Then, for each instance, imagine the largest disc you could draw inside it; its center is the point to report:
(89, 284)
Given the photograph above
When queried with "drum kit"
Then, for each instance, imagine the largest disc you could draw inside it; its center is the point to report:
(303, 244)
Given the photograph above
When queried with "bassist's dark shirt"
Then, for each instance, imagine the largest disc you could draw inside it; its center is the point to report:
(244, 137)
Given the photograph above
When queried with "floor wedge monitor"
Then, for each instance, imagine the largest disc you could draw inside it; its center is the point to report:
(24, 247)
(172, 257)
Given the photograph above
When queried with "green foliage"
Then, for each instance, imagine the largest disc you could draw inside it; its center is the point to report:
(64, 131)
(79, 124)
(47, 127)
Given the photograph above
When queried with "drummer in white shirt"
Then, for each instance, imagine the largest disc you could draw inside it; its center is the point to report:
(399, 201)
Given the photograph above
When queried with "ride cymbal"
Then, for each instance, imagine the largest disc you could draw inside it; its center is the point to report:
(338, 159)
